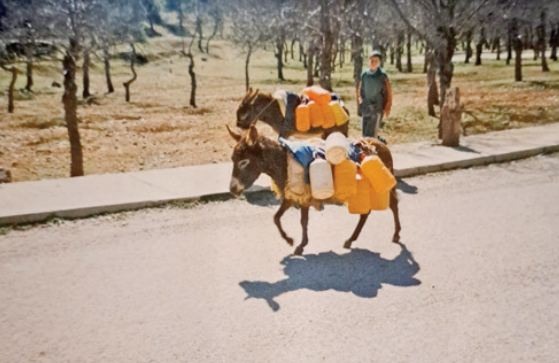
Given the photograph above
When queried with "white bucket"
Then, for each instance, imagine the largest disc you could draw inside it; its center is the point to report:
(322, 183)
(295, 176)
(337, 148)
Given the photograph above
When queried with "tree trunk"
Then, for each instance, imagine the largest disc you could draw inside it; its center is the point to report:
(426, 61)
(357, 53)
(498, 47)
(310, 64)
(391, 49)
(479, 46)
(70, 101)
(302, 55)
(517, 45)
(86, 62)
(291, 49)
(192, 80)
(13, 70)
(199, 28)
(409, 68)
(554, 42)
(327, 45)
(509, 46)
(29, 67)
(444, 60)
(432, 93)
(279, 55)
(541, 31)
(247, 61)
(181, 17)
(468, 50)
(342, 52)
(399, 51)
(214, 33)
(134, 75)
(106, 61)
(451, 118)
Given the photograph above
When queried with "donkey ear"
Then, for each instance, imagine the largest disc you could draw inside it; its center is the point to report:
(252, 136)
(234, 135)
(252, 97)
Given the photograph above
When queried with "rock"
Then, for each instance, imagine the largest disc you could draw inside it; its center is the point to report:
(5, 176)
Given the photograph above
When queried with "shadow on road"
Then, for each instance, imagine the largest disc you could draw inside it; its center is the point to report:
(360, 271)
(405, 187)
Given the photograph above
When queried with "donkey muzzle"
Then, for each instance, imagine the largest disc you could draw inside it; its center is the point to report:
(235, 187)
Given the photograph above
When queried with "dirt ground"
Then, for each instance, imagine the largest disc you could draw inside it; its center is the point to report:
(158, 129)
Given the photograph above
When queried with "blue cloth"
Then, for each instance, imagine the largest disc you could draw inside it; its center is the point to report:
(303, 152)
(355, 153)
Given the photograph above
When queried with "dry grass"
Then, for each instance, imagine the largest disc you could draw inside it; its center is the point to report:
(158, 129)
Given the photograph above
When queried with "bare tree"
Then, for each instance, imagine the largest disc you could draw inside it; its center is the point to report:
(249, 30)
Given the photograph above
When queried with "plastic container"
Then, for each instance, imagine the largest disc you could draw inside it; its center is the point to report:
(315, 113)
(302, 118)
(359, 203)
(340, 115)
(379, 201)
(377, 173)
(322, 184)
(336, 148)
(318, 94)
(329, 120)
(295, 176)
(345, 180)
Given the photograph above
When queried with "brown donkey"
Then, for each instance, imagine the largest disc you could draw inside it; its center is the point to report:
(255, 154)
(257, 106)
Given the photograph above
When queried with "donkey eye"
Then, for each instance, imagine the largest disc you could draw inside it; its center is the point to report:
(244, 163)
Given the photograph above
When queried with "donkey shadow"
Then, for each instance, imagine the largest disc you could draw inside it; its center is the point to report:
(360, 271)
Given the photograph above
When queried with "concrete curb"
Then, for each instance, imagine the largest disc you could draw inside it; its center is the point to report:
(35, 202)
(479, 161)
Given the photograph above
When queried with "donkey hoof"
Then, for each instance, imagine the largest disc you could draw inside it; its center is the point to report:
(289, 241)
(298, 251)
(396, 238)
(347, 244)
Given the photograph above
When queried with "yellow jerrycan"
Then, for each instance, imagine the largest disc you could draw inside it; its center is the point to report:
(315, 114)
(379, 201)
(329, 118)
(359, 203)
(345, 180)
(318, 94)
(302, 118)
(377, 173)
(340, 116)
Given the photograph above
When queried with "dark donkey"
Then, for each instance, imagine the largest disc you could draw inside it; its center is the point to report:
(257, 106)
(255, 154)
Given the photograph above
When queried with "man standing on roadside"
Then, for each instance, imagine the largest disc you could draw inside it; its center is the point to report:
(374, 96)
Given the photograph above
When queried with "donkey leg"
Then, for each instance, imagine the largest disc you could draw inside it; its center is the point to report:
(304, 224)
(355, 235)
(394, 207)
(285, 205)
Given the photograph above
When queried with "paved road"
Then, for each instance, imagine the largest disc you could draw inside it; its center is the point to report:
(476, 279)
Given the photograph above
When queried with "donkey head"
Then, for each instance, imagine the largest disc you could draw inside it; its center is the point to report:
(248, 109)
(246, 158)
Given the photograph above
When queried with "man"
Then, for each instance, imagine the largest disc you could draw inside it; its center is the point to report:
(374, 96)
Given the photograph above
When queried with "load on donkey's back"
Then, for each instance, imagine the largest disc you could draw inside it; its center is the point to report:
(316, 110)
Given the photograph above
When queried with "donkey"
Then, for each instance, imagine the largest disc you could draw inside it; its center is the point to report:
(255, 154)
(260, 106)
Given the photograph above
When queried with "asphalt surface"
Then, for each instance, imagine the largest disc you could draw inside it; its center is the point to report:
(475, 279)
